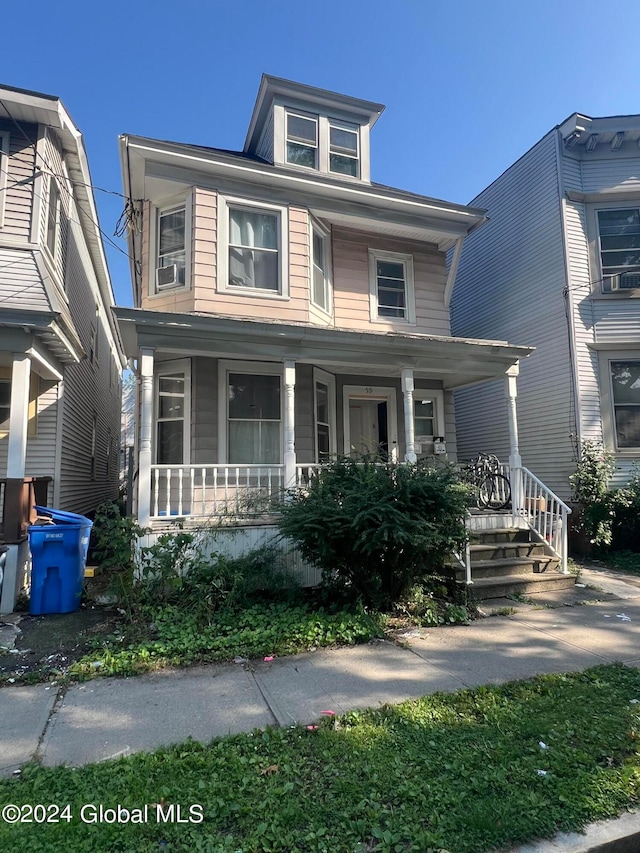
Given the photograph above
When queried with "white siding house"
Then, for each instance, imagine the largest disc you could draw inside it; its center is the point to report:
(61, 356)
(557, 267)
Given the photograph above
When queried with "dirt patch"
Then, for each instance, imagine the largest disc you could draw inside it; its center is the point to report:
(46, 645)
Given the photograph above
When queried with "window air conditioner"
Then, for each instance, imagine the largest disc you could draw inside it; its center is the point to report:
(622, 281)
(167, 277)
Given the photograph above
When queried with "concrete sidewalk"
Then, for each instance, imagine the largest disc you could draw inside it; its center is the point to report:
(110, 717)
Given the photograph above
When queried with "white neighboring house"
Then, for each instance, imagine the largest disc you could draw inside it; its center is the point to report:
(557, 267)
(61, 357)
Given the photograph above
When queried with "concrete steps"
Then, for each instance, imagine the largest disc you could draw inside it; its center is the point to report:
(507, 561)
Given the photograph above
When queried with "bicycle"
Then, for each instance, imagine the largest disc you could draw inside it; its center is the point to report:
(493, 489)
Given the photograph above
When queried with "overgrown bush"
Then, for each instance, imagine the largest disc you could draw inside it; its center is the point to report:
(375, 528)
(113, 538)
(590, 490)
(626, 524)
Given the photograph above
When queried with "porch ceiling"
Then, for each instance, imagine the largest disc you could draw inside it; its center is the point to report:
(455, 361)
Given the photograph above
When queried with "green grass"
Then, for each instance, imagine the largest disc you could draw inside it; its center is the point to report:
(180, 638)
(456, 772)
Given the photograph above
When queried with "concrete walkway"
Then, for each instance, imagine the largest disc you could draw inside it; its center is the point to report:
(109, 717)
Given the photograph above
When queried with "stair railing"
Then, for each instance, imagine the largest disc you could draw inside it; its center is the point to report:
(543, 511)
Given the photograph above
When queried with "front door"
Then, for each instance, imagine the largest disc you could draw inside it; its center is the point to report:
(370, 423)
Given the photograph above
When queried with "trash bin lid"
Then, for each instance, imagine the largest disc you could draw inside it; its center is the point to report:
(61, 517)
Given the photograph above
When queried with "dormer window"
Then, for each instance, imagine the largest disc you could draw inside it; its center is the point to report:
(343, 149)
(302, 140)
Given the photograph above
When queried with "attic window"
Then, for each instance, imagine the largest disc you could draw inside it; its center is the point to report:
(343, 149)
(302, 140)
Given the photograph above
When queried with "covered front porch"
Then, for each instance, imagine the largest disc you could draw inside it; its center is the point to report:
(233, 413)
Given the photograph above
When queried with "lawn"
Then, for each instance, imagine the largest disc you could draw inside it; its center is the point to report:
(467, 772)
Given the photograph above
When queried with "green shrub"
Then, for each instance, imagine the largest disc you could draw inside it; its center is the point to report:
(375, 528)
(626, 524)
(590, 490)
(113, 537)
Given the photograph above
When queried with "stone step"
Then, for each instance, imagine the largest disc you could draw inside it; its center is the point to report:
(511, 566)
(500, 534)
(483, 551)
(498, 587)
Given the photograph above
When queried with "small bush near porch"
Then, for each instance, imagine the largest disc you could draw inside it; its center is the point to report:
(376, 529)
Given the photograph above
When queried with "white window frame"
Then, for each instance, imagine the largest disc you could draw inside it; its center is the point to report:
(166, 368)
(167, 206)
(437, 398)
(251, 368)
(607, 405)
(4, 168)
(328, 283)
(310, 117)
(328, 379)
(352, 128)
(381, 393)
(225, 204)
(592, 208)
(53, 186)
(410, 304)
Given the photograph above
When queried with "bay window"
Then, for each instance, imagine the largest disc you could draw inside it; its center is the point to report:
(172, 253)
(320, 287)
(253, 249)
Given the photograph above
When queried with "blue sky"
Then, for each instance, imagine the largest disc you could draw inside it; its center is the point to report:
(469, 86)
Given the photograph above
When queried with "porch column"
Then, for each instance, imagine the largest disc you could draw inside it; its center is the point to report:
(515, 461)
(409, 426)
(18, 416)
(289, 424)
(146, 431)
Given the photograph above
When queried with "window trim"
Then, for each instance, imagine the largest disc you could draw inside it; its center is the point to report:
(325, 234)
(225, 204)
(351, 128)
(167, 206)
(595, 258)
(251, 368)
(437, 396)
(323, 158)
(5, 140)
(395, 257)
(607, 405)
(328, 379)
(53, 187)
(6, 376)
(165, 368)
(310, 117)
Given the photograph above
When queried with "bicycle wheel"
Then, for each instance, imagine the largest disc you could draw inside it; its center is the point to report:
(494, 492)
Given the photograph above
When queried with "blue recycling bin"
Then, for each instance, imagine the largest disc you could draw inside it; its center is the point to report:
(58, 559)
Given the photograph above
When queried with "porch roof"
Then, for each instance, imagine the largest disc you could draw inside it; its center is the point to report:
(455, 361)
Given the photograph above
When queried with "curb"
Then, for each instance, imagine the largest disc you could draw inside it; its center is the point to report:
(621, 835)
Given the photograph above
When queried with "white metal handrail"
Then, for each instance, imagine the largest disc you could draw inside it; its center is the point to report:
(542, 510)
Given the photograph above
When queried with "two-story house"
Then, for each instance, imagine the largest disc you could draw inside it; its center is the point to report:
(288, 308)
(60, 352)
(558, 267)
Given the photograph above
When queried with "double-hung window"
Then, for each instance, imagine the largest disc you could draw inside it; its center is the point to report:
(302, 140)
(171, 407)
(625, 381)
(253, 249)
(254, 419)
(619, 233)
(324, 394)
(391, 287)
(5, 404)
(320, 265)
(344, 156)
(53, 217)
(172, 252)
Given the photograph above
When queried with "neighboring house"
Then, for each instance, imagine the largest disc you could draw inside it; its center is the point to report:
(288, 309)
(558, 267)
(60, 353)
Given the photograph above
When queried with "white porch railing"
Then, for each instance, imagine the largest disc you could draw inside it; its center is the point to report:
(543, 510)
(180, 491)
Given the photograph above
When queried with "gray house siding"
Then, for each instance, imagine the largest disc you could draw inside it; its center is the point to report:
(18, 203)
(510, 287)
(91, 389)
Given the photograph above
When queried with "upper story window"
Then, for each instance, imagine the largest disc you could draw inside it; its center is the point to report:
(391, 287)
(619, 234)
(4, 156)
(252, 248)
(171, 249)
(320, 265)
(53, 217)
(322, 143)
(344, 157)
(302, 140)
